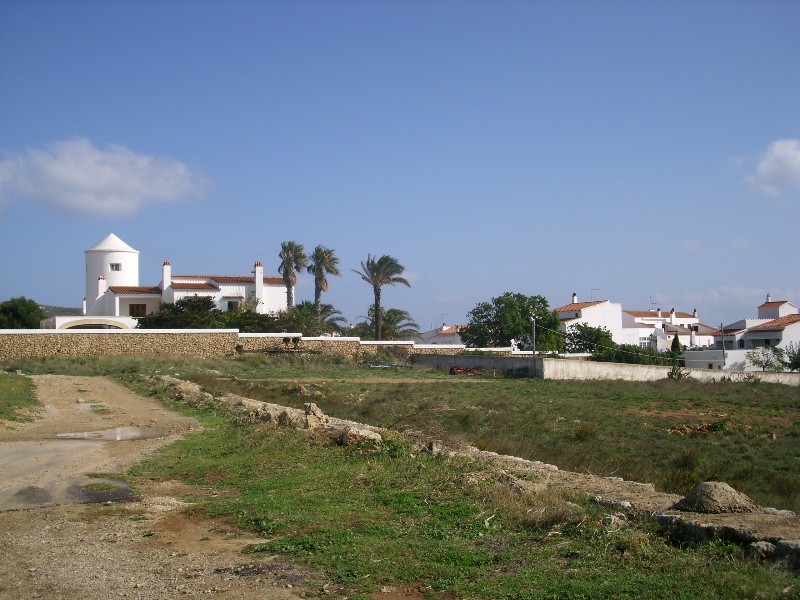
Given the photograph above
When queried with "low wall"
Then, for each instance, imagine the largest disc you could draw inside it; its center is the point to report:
(29, 343)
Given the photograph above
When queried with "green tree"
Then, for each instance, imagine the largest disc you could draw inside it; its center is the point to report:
(194, 312)
(304, 318)
(322, 262)
(766, 357)
(497, 322)
(585, 338)
(293, 260)
(676, 345)
(379, 272)
(20, 313)
(249, 321)
(792, 356)
(396, 324)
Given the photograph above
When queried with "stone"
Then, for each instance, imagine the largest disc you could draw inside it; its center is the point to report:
(716, 497)
(351, 436)
(314, 417)
(761, 549)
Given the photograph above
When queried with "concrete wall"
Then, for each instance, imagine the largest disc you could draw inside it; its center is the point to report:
(516, 365)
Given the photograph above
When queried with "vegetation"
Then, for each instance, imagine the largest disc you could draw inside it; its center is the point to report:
(583, 338)
(17, 397)
(20, 313)
(322, 262)
(311, 320)
(382, 515)
(633, 355)
(509, 317)
(194, 312)
(768, 358)
(396, 324)
(792, 356)
(385, 270)
(293, 260)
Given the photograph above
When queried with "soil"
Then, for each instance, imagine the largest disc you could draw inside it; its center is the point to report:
(57, 541)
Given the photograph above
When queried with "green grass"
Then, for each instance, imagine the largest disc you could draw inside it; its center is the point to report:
(17, 398)
(368, 517)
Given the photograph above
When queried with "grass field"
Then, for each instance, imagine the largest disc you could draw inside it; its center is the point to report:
(380, 515)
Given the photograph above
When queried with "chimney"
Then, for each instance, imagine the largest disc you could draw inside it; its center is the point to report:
(769, 297)
(574, 298)
(166, 275)
(694, 313)
(658, 312)
(102, 286)
(672, 316)
(258, 279)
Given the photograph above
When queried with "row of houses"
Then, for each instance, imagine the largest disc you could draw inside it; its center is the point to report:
(720, 347)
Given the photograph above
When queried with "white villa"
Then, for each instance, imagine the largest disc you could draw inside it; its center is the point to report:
(643, 328)
(114, 299)
(777, 326)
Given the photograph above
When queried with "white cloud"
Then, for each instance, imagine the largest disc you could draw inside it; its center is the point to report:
(78, 177)
(779, 168)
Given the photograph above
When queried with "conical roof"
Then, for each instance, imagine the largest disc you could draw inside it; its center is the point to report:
(111, 243)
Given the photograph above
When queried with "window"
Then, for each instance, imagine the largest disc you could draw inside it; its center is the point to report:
(741, 344)
(233, 305)
(116, 266)
(710, 365)
(137, 310)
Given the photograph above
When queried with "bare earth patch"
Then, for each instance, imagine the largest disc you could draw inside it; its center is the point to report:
(152, 548)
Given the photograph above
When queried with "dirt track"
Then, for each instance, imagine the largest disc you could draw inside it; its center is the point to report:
(147, 549)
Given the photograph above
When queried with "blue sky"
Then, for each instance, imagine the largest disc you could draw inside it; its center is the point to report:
(643, 152)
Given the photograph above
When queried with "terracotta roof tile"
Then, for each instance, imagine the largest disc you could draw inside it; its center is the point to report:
(651, 314)
(774, 304)
(270, 280)
(194, 286)
(576, 306)
(777, 324)
(136, 289)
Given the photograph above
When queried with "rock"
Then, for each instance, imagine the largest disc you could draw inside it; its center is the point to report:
(788, 550)
(314, 417)
(761, 549)
(715, 497)
(351, 436)
(614, 521)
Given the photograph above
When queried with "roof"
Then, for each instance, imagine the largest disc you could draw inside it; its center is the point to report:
(136, 289)
(194, 286)
(111, 243)
(725, 332)
(576, 306)
(777, 324)
(775, 304)
(231, 279)
(652, 314)
(452, 329)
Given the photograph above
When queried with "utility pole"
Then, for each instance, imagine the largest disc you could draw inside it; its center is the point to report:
(722, 336)
(533, 331)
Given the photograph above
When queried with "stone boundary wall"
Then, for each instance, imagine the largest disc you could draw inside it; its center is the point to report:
(102, 342)
(209, 343)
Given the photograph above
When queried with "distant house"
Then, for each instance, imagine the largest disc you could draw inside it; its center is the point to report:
(114, 298)
(444, 335)
(643, 328)
(777, 326)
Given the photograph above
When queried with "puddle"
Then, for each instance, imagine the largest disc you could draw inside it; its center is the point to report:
(106, 490)
(118, 434)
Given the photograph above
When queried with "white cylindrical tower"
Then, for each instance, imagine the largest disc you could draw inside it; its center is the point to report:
(113, 259)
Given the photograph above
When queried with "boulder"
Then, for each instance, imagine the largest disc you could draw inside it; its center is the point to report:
(715, 497)
(314, 417)
(351, 436)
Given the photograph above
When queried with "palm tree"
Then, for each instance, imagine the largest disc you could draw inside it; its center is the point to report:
(305, 319)
(383, 271)
(396, 324)
(323, 262)
(293, 258)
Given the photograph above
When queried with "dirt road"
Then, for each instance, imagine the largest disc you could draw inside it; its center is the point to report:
(62, 537)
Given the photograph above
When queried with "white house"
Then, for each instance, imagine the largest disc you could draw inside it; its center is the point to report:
(114, 298)
(647, 329)
(444, 335)
(777, 325)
